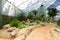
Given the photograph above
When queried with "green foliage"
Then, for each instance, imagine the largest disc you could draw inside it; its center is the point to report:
(37, 21)
(58, 23)
(14, 22)
(46, 20)
(5, 20)
(30, 16)
(42, 18)
(52, 12)
(22, 17)
(18, 24)
(34, 12)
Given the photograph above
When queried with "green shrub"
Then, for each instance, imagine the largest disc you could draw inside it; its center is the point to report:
(18, 24)
(30, 16)
(46, 20)
(58, 23)
(21, 17)
(14, 22)
(37, 21)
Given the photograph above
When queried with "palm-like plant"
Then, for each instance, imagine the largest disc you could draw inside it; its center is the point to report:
(34, 13)
(52, 12)
(29, 16)
(21, 17)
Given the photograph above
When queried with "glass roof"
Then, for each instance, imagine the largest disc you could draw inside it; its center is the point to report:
(25, 6)
(31, 4)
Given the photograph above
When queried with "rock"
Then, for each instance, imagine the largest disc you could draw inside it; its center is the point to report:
(6, 26)
(20, 37)
(8, 32)
(23, 22)
(14, 33)
(11, 29)
(3, 39)
(22, 32)
(4, 34)
(42, 24)
(57, 30)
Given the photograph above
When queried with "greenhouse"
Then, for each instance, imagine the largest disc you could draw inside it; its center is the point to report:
(29, 19)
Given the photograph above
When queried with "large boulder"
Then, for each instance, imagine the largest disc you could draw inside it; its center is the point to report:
(6, 26)
(8, 32)
(4, 34)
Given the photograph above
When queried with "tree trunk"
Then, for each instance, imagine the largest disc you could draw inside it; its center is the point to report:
(53, 19)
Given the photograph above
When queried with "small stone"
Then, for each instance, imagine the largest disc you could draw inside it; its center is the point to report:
(11, 29)
(42, 24)
(14, 33)
(6, 26)
(21, 32)
(4, 34)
